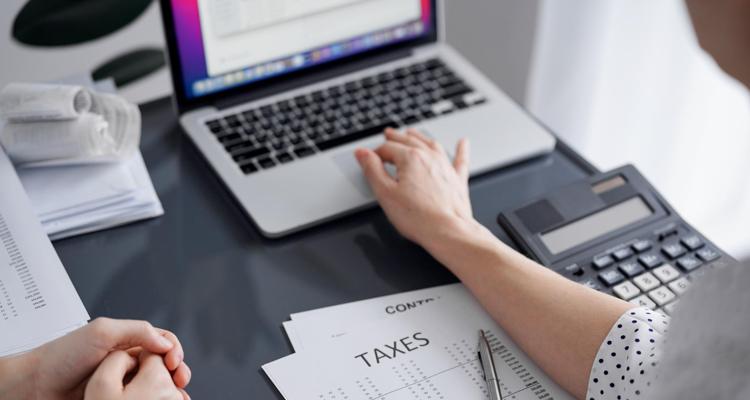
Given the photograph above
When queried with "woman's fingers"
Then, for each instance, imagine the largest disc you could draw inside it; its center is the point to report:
(404, 138)
(109, 376)
(151, 367)
(461, 161)
(374, 170)
(176, 355)
(153, 380)
(182, 375)
(426, 141)
(112, 334)
(394, 153)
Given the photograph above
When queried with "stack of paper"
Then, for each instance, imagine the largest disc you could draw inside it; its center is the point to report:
(38, 302)
(72, 200)
(416, 345)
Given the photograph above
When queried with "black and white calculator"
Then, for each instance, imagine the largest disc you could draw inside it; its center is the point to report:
(615, 233)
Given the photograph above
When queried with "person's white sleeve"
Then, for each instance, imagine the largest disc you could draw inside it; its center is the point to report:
(625, 366)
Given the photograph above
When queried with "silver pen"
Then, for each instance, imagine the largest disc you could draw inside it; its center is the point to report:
(488, 367)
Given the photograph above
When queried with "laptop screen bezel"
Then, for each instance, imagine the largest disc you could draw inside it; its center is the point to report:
(185, 103)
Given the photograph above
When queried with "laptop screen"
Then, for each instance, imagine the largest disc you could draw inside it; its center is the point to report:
(223, 44)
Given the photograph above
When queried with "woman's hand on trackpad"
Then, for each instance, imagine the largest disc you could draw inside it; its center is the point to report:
(429, 196)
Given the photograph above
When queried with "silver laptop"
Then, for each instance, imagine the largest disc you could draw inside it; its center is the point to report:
(277, 94)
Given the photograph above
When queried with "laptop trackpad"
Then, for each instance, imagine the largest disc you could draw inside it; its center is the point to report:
(349, 166)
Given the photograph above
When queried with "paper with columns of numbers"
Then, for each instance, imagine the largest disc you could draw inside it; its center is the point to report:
(428, 354)
(38, 302)
(307, 328)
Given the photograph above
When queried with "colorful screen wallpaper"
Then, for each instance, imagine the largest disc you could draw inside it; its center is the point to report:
(197, 81)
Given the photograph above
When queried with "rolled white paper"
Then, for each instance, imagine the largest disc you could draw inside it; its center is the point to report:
(96, 127)
(124, 121)
(57, 140)
(20, 102)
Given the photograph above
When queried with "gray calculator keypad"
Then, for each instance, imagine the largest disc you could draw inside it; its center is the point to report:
(651, 273)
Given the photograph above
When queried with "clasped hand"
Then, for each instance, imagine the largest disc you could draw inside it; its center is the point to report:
(106, 360)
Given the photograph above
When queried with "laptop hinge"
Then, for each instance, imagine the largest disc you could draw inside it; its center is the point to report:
(309, 79)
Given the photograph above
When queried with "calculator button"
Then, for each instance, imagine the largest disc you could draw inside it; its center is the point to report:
(622, 254)
(650, 260)
(674, 250)
(641, 246)
(643, 301)
(661, 296)
(646, 281)
(574, 269)
(602, 262)
(611, 277)
(680, 286)
(591, 284)
(692, 242)
(666, 273)
(626, 290)
(708, 254)
(688, 263)
(669, 308)
(631, 269)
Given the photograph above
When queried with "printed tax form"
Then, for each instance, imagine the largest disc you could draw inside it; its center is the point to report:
(428, 350)
(38, 302)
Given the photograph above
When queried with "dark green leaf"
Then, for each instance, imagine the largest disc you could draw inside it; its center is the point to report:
(66, 22)
(130, 66)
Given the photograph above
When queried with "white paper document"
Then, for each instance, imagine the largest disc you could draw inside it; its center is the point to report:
(307, 329)
(38, 302)
(418, 345)
(72, 200)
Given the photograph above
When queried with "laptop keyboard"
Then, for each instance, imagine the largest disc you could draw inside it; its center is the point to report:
(294, 128)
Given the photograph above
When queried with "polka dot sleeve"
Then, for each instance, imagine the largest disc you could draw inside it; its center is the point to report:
(625, 366)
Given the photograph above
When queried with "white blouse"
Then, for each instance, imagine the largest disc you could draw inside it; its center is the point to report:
(625, 366)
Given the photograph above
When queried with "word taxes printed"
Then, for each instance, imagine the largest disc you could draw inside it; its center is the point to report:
(388, 352)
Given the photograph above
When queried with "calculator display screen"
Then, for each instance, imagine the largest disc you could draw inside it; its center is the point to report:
(596, 225)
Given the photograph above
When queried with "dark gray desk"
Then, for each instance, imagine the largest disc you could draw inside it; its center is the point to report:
(204, 272)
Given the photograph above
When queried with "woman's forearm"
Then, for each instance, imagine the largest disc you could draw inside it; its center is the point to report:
(16, 378)
(558, 323)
